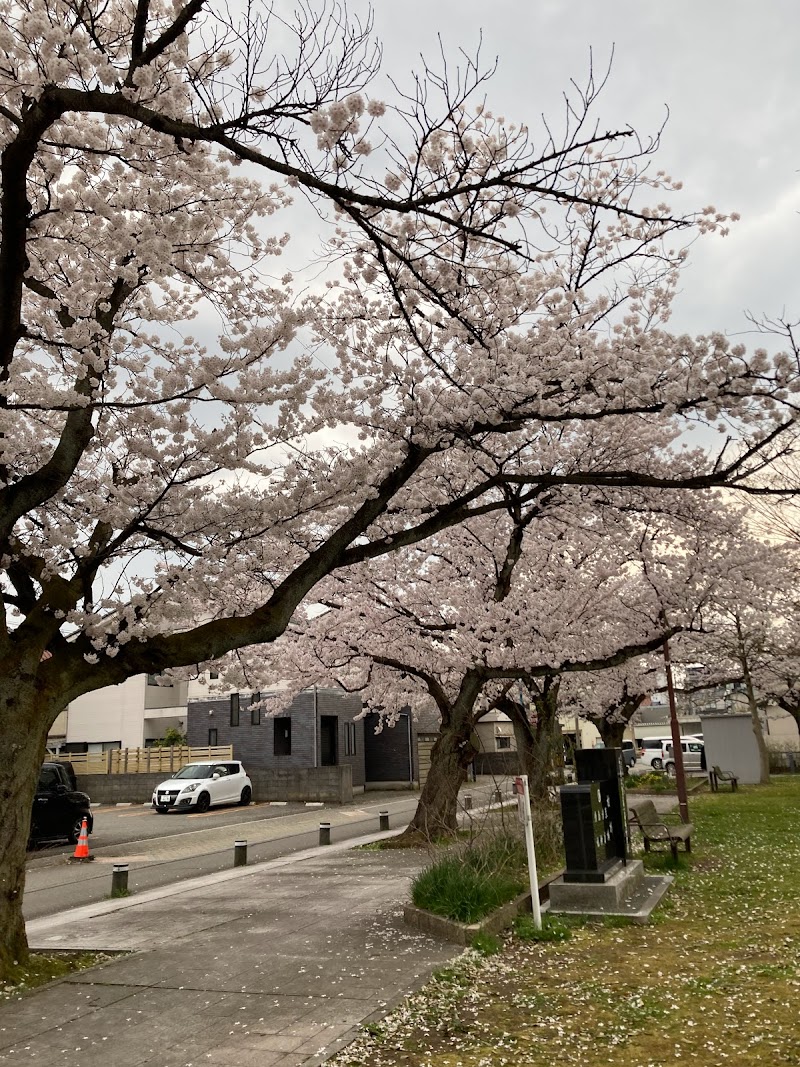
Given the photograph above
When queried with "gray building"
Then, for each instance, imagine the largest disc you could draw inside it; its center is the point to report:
(318, 729)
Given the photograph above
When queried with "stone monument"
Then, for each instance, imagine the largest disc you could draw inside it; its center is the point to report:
(599, 877)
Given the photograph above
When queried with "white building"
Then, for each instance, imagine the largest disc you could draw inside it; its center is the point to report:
(130, 715)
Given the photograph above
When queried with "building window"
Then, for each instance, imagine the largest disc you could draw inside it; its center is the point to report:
(234, 709)
(213, 675)
(502, 743)
(212, 739)
(349, 739)
(282, 741)
(255, 712)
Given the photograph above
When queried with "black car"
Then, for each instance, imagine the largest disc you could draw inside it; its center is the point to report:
(58, 809)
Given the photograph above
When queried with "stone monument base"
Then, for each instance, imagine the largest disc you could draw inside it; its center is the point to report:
(626, 891)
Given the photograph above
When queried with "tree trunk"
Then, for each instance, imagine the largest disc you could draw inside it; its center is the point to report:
(23, 737)
(611, 733)
(611, 725)
(539, 756)
(755, 718)
(758, 733)
(793, 710)
(437, 810)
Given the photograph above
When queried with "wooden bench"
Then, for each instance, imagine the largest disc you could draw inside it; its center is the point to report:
(656, 831)
(718, 776)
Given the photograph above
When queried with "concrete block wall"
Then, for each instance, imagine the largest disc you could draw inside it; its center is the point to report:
(120, 788)
(332, 785)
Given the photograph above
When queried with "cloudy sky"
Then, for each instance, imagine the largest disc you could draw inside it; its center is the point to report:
(728, 72)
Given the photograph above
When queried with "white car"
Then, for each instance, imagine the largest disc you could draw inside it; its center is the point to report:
(199, 786)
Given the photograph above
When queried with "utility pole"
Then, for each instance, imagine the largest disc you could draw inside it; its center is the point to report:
(677, 748)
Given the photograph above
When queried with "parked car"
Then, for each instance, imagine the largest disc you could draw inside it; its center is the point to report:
(58, 808)
(652, 751)
(199, 786)
(693, 755)
(630, 753)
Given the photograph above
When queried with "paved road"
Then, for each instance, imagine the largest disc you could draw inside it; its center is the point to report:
(53, 883)
(119, 825)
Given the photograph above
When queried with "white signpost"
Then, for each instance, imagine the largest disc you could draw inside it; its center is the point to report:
(524, 806)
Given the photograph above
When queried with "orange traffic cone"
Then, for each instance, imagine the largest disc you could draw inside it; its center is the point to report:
(82, 848)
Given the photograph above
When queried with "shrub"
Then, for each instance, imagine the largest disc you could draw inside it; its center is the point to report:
(466, 886)
(655, 780)
(456, 889)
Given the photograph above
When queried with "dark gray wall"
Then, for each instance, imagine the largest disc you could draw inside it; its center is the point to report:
(333, 785)
(497, 763)
(254, 745)
(386, 754)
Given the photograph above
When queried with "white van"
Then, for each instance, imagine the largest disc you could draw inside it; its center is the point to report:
(657, 752)
(693, 750)
(652, 751)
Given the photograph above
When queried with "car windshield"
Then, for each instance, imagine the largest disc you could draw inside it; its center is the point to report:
(194, 770)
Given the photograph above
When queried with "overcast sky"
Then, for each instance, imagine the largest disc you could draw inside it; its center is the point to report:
(728, 72)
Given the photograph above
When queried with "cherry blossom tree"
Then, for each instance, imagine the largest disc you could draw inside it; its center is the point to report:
(609, 698)
(496, 613)
(749, 627)
(173, 481)
(533, 711)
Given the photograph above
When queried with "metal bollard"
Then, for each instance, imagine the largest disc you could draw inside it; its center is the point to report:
(498, 797)
(324, 833)
(468, 802)
(384, 818)
(119, 880)
(240, 853)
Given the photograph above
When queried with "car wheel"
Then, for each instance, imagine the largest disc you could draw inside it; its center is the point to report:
(657, 764)
(75, 832)
(246, 797)
(203, 802)
(669, 768)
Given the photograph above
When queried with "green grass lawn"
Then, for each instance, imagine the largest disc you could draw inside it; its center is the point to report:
(43, 967)
(714, 979)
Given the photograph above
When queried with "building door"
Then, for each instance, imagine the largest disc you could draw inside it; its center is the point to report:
(328, 736)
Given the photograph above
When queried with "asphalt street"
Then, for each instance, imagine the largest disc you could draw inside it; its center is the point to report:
(163, 850)
(126, 823)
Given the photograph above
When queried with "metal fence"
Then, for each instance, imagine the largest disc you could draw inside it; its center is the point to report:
(784, 762)
(142, 760)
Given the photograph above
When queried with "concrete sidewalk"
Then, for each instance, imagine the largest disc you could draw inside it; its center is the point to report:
(278, 963)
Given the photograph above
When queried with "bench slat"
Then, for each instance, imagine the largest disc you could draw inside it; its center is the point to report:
(655, 830)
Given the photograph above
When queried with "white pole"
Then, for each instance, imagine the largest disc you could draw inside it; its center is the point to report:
(525, 801)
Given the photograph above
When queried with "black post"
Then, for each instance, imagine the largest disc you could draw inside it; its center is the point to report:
(324, 833)
(240, 853)
(384, 819)
(119, 880)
